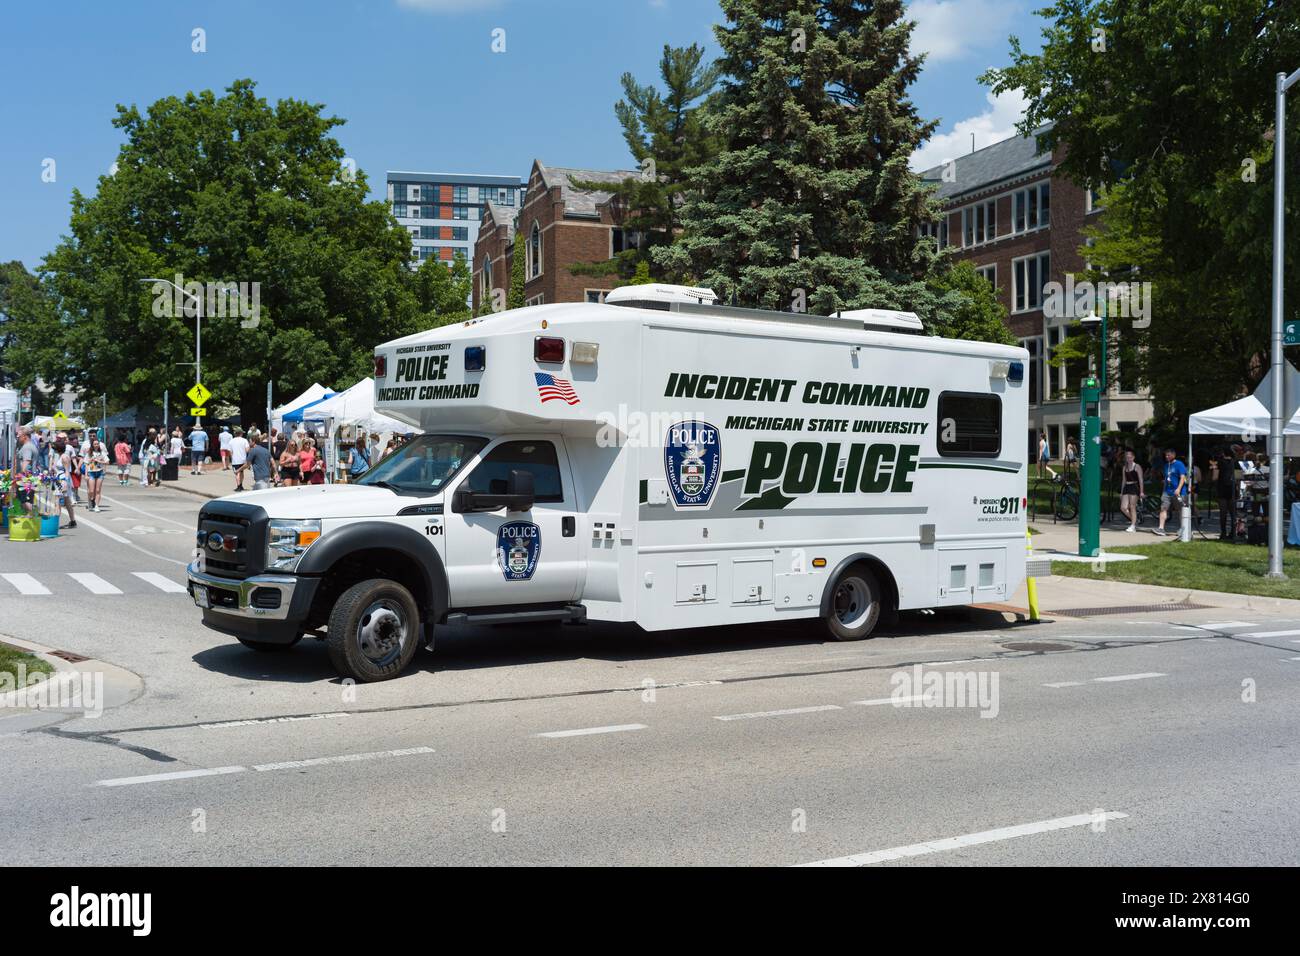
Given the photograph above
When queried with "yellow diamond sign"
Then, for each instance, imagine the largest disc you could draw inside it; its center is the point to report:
(198, 394)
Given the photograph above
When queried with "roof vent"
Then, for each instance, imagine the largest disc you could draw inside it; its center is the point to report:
(657, 292)
(885, 320)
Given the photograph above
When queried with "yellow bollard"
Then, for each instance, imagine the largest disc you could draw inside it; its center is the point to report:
(1031, 585)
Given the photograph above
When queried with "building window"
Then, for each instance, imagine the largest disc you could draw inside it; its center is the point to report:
(1028, 276)
(1031, 208)
(938, 231)
(1094, 202)
(979, 223)
(460, 194)
(1034, 346)
(595, 295)
(621, 240)
(399, 210)
(460, 212)
(536, 300)
(534, 261)
(988, 273)
(970, 425)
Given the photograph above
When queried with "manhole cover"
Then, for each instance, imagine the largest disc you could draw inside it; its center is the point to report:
(1037, 646)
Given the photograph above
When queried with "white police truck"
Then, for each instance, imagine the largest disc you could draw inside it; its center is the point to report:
(656, 458)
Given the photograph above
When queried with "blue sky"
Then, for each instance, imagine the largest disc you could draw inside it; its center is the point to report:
(416, 80)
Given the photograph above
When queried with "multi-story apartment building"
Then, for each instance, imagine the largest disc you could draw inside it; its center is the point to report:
(1008, 212)
(561, 226)
(442, 211)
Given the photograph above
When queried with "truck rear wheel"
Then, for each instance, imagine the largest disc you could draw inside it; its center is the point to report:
(373, 630)
(855, 605)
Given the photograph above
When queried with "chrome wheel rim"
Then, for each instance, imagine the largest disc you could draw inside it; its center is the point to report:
(852, 604)
(382, 632)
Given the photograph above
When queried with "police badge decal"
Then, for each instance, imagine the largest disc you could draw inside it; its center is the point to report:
(692, 462)
(519, 545)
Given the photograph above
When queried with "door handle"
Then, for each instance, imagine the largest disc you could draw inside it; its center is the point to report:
(568, 526)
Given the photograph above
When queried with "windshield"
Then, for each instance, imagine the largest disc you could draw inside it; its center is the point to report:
(424, 464)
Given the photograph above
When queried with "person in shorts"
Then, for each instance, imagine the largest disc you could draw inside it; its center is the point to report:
(96, 464)
(1130, 489)
(1175, 483)
(223, 442)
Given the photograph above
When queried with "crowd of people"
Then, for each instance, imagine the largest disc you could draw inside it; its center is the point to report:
(80, 462)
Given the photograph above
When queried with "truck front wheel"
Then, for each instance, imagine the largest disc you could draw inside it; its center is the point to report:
(373, 630)
(855, 605)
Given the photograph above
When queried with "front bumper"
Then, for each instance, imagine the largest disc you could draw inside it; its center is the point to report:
(249, 607)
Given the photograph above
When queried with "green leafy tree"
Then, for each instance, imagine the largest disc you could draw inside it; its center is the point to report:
(29, 327)
(226, 189)
(811, 197)
(967, 307)
(441, 291)
(666, 135)
(1167, 107)
(516, 298)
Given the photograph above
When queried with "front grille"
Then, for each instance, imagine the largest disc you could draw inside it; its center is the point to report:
(247, 524)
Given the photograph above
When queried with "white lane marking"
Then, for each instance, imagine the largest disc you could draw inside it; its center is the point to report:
(255, 721)
(162, 777)
(342, 758)
(1229, 624)
(611, 729)
(780, 713)
(1291, 633)
(1066, 683)
(1117, 677)
(896, 701)
(93, 582)
(130, 544)
(969, 839)
(26, 584)
(161, 582)
(119, 503)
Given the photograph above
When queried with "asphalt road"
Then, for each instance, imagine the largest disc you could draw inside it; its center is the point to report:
(1162, 738)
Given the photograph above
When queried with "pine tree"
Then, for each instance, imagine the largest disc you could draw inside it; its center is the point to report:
(811, 204)
(515, 300)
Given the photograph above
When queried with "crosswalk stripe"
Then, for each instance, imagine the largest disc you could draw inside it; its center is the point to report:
(161, 582)
(26, 584)
(93, 582)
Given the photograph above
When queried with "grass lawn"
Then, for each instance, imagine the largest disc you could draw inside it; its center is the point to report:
(1203, 565)
(11, 657)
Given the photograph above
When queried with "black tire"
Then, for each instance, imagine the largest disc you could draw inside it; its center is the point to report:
(1066, 508)
(267, 647)
(373, 631)
(855, 605)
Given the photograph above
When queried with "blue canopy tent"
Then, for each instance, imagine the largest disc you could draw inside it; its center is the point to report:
(296, 415)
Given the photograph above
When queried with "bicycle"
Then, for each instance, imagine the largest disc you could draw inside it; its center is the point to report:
(1066, 499)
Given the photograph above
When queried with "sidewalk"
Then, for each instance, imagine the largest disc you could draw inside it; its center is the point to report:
(1061, 595)
(213, 483)
(1062, 538)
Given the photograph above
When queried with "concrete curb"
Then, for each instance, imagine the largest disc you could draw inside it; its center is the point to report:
(120, 686)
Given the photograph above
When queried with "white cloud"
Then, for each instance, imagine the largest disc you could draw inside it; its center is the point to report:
(952, 29)
(992, 126)
(448, 6)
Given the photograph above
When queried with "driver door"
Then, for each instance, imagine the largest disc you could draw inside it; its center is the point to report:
(499, 558)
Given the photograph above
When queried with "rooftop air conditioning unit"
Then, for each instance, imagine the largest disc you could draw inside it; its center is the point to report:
(658, 292)
(885, 320)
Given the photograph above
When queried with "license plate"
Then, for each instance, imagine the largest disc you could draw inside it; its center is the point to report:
(201, 596)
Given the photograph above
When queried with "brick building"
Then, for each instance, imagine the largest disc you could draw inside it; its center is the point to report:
(1008, 212)
(561, 225)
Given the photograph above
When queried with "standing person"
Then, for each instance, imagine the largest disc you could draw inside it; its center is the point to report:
(290, 464)
(1071, 456)
(198, 448)
(61, 465)
(1044, 452)
(1175, 482)
(77, 471)
(276, 447)
(237, 454)
(258, 461)
(122, 454)
(28, 454)
(1225, 489)
(177, 447)
(1130, 489)
(358, 459)
(310, 464)
(143, 458)
(223, 442)
(153, 455)
(96, 465)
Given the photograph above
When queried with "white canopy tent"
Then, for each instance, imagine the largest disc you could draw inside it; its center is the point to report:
(8, 425)
(1249, 416)
(313, 394)
(355, 406)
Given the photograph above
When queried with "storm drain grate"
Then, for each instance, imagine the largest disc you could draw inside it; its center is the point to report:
(1127, 609)
(68, 656)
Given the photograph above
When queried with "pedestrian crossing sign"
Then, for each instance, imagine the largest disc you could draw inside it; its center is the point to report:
(198, 412)
(199, 395)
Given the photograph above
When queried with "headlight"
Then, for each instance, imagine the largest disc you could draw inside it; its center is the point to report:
(287, 541)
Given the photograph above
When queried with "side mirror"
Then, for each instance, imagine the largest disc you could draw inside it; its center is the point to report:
(519, 490)
(518, 495)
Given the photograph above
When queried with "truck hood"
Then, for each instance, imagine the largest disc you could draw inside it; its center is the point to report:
(326, 501)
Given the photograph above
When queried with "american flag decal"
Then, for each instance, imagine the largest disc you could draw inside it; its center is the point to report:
(551, 388)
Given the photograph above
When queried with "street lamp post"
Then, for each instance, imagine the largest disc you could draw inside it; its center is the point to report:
(198, 327)
(1277, 423)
